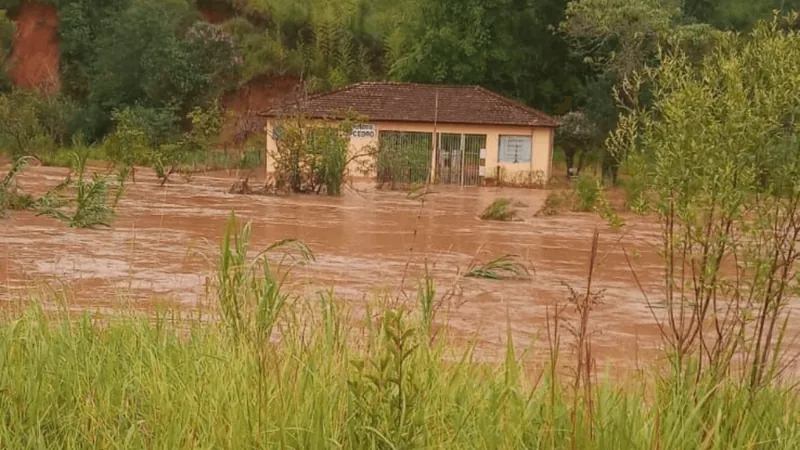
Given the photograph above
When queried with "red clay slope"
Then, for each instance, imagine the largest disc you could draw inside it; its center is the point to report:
(35, 54)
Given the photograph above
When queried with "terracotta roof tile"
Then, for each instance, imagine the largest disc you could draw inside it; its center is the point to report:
(402, 102)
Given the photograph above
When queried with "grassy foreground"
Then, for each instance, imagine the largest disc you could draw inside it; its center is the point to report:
(277, 372)
(145, 384)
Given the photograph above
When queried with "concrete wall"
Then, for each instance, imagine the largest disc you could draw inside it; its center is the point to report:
(538, 170)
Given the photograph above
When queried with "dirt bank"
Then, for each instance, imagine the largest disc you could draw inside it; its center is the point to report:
(35, 53)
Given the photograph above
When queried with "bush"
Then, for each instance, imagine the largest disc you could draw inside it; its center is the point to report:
(634, 189)
(94, 202)
(311, 158)
(588, 190)
(10, 197)
(500, 209)
(555, 202)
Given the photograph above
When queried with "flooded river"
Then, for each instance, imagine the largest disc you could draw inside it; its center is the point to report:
(164, 245)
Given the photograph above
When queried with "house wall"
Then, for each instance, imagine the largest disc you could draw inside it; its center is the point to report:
(538, 170)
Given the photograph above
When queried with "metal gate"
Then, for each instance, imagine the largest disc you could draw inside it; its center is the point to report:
(404, 157)
(458, 160)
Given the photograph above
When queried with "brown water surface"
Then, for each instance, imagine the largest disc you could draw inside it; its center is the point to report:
(164, 245)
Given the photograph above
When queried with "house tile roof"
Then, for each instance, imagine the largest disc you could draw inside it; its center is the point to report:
(403, 102)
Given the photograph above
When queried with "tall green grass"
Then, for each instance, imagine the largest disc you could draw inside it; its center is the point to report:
(283, 372)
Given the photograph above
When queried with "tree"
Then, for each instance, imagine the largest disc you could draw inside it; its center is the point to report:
(138, 134)
(718, 150)
(618, 35)
(577, 135)
(504, 45)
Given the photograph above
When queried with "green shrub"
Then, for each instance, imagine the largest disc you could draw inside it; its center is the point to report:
(311, 158)
(635, 189)
(500, 209)
(588, 191)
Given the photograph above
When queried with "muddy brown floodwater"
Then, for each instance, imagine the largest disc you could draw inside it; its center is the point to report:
(165, 241)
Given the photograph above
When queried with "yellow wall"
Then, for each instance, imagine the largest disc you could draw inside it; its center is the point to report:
(537, 171)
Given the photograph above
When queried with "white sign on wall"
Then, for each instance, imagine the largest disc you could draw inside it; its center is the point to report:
(364, 130)
(515, 149)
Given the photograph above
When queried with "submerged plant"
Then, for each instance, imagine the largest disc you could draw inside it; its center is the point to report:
(555, 202)
(588, 193)
(501, 268)
(10, 196)
(501, 209)
(94, 202)
(249, 291)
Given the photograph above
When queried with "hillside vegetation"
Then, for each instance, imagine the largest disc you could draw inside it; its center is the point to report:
(163, 59)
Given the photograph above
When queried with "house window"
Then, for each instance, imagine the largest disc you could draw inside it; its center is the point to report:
(515, 149)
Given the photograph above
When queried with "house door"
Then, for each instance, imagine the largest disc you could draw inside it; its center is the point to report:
(458, 160)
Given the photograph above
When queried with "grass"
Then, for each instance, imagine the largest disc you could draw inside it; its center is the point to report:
(278, 371)
(501, 209)
(501, 268)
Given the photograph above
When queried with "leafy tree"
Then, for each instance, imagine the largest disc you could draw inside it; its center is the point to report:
(206, 124)
(150, 53)
(618, 35)
(738, 15)
(718, 150)
(577, 135)
(82, 23)
(138, 134)
(505, 45)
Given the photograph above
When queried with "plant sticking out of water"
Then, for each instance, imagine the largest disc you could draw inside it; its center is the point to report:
(501, 209)
(556, 202)
(93, 204)
(249, 291)
(11, 199)
(501, 268)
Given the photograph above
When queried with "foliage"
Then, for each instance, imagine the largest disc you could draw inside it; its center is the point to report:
(250, 291)
(7, 32)
(11, 199)
(500, 268)
(161, 55)
(555, 202)
(588, 191)
(313, 158)
(500, 209)
(577, 135)
(481, 42)
(169, 157)
(138, 135)
(33, 122)
(94, 201)
(718, 154)
(143, 53)
(618, 35)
